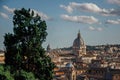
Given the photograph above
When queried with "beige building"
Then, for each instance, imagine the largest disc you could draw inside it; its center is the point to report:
(76, 64)
(103, 74)
(79, 47)
(2, 57)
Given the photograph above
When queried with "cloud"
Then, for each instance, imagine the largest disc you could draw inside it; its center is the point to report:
(95, 29)
(90, 7)
(11, 10)
(91, 28)
(67, 8)
(4, 15)
(99, 29)
(42, 15)
(80, 19)
(113, 21)
(111, 12)
(114, 2)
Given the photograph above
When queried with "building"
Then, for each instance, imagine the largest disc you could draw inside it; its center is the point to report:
(79, 47)
(70, 62)
(76, 63)
(2, 57)
(103, 74)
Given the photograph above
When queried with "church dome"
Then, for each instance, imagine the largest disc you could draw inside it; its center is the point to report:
(78, 42)
(69, 65)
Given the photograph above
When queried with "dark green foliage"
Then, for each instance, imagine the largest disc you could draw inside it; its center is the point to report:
(5, 73)
(22, 75)
(24, 47)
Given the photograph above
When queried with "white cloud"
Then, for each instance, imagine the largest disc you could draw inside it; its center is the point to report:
(11, 10)
(4, 15)
(114, 2)
(113, 21)
(42, 15)
(67, 8)
(90, 7)
(91, 28)
(80, 19)
(95, 29)
(99, 29)
(111, 12)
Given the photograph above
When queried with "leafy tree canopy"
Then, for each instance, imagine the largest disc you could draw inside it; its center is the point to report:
(24, 49)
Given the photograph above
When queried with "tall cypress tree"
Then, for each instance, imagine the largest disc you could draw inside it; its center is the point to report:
(24, 49)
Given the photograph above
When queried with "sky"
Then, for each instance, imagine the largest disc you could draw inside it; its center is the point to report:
(97, 20)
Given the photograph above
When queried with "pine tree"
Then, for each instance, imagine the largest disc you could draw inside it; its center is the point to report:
(24, 49)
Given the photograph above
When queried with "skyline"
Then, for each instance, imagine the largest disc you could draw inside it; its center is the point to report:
(98, 21)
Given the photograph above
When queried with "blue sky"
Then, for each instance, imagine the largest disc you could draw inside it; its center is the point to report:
(97, 20)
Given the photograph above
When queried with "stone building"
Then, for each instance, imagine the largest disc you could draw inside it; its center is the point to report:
(2, 57)
(79, 47)
(103, 74)
(72, 63)
(70, 72)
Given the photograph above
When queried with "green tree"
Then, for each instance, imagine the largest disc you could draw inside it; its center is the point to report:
(24, 49)
(23, 75)
(5, 73)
